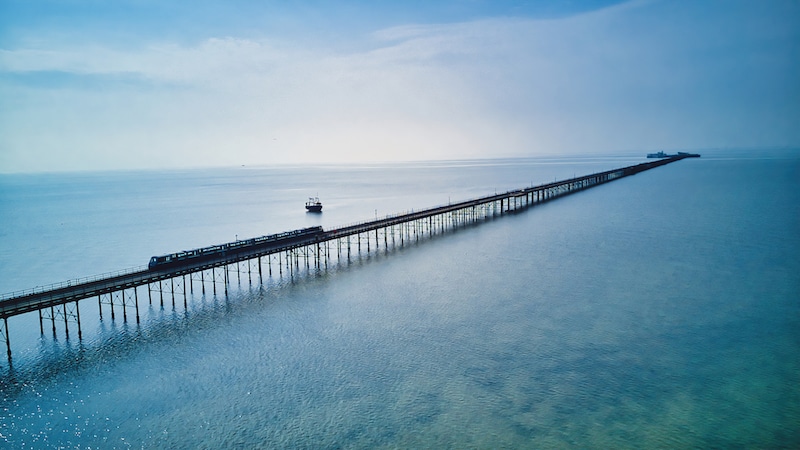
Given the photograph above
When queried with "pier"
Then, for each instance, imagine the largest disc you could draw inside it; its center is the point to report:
(175, 277)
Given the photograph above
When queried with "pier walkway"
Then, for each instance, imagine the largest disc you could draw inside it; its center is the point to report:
(279, 252)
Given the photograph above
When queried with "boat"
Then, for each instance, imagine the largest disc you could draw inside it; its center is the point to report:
(313, 204)
(659, 155)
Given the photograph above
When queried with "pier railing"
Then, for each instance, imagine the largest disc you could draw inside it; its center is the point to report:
(70, 283)
(390, 218)
(286, 252)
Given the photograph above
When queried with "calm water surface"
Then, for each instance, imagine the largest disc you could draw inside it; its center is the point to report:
(657, 311)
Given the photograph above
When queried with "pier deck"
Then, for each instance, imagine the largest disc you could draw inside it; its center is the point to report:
(288, 252)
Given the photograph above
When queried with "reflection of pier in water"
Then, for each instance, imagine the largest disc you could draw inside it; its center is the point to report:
(278, 255)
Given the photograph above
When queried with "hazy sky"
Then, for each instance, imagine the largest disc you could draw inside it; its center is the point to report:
(93, 84)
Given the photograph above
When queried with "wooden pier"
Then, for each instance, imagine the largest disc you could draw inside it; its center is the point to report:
(271, 254)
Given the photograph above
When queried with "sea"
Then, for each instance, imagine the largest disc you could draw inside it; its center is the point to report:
(661, 310)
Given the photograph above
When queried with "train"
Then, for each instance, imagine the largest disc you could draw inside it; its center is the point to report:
(232, 248)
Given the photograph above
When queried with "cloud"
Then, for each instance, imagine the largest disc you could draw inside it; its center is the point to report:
(640, 75)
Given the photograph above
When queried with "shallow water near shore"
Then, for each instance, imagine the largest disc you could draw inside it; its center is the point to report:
(661, 310)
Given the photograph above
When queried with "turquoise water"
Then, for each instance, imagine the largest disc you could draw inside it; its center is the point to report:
(658, 311)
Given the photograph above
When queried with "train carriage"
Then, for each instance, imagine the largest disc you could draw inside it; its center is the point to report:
(208, 253)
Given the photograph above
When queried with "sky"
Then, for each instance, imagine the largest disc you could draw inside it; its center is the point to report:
(152, 84)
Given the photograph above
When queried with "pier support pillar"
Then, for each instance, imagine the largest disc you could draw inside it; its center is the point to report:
(184, 290)
(8, 341)
(136, 299)
(78, 319)
(111, 303)
(66, 323)
(124, 307)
